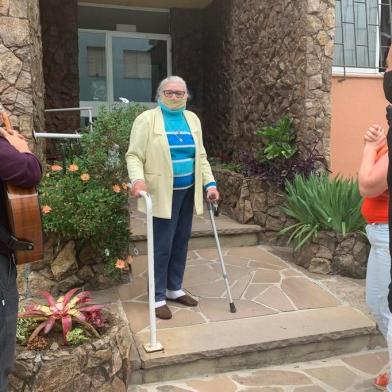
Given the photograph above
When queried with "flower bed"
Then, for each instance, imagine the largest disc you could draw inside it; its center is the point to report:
(100, 365)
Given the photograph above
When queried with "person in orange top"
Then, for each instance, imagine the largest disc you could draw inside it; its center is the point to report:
(372, 180)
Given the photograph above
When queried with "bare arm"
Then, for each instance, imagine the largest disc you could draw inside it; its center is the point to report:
(372, 176)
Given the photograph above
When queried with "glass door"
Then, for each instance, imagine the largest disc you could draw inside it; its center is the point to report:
(114, 65)
(138, 65)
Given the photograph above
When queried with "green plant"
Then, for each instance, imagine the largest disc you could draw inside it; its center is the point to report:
(65, 310)
(76, 337)
(320, 203)
(24, 328)
(84, 197)
(278, 141)
(104, 149)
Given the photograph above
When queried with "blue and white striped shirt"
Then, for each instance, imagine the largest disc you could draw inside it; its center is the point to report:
(182, 147)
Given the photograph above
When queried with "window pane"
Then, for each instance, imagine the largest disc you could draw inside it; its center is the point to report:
(358, 30)
(92, 66)
(138, 67)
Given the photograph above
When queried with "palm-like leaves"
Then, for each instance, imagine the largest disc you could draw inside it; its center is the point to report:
(65, 310)
(320, 203)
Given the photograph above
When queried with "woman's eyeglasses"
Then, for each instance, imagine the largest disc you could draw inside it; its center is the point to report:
(170, 93)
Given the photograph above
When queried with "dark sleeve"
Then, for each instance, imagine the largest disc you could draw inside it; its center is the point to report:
(19, 169)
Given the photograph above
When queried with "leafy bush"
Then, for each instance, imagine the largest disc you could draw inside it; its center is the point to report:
(320, 203)
(84, 197)
(279, 159)
(66, 309)
(76, 337)
(278, 141)
(24, 328)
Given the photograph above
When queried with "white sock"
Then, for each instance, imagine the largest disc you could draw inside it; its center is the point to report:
(159, 304)
(174, 294)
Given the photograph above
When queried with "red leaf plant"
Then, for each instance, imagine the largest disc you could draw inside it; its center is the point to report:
(65, 310)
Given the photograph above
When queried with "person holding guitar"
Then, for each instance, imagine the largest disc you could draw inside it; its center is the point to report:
(21, 168)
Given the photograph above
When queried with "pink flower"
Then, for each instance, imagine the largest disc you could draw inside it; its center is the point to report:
(56, 168)
(116, 188)
(85, 177)
(73, 168)
(46, 209)
(120, 264)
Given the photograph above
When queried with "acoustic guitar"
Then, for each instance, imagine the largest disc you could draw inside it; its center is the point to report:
(24, 215)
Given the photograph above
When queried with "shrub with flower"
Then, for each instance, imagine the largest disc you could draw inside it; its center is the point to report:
(84, 197)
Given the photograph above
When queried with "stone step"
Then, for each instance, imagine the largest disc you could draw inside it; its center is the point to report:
(253, 343)
(231, 233)
(284, 314)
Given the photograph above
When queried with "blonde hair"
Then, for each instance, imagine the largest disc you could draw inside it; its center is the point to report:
(170, 79)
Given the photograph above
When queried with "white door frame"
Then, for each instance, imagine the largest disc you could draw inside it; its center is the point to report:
(109, 35)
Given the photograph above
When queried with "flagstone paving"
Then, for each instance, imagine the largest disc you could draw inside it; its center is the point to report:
(349, 373)
(284, 314)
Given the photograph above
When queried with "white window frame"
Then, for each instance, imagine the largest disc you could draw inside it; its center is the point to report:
(357, 71)
(109, 35)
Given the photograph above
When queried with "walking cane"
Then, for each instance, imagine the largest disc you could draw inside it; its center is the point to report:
(210, 208)
(153, 345)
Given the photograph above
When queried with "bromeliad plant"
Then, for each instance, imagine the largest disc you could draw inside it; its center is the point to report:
(320, 203)
(66, 310)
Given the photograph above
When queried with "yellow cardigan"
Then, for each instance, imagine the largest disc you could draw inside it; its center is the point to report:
(148, 158)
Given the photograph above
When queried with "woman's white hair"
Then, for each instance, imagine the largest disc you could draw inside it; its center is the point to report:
(170, 79)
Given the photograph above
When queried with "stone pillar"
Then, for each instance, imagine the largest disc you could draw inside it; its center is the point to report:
(187, 48)
(21, 80)
(59, 22)
(266, 59)
(320, 30)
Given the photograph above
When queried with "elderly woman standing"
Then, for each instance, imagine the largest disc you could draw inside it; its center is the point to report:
(166, 157)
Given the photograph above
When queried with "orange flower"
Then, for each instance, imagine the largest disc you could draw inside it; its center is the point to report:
(73, 168)
(56, 168)
(85, 177)
(116, 188)
(120, 264)
(124, 185)
(129, 259)
(46, 209)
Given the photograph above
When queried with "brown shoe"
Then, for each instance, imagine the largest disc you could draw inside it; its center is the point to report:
(186, 300)
(163, 312)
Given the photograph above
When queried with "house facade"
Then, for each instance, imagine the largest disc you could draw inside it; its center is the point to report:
(247, 63)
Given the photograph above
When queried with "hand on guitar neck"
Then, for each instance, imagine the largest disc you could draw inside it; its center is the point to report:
(15, 139)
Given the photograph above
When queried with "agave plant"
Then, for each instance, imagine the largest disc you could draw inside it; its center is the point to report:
(320, 203)
(65, 310)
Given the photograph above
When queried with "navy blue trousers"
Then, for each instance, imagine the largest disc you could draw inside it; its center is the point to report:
(171, 238)
(8, 313)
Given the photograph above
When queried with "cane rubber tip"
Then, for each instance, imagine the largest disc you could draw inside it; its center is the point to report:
(232, 307)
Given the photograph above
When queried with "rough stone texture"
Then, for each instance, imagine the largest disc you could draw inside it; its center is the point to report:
(248, 200)
(334, 253)
(187, 48)
(60, 50)
(266, 59)
(21, 78)
(63, 268)
(100, 365)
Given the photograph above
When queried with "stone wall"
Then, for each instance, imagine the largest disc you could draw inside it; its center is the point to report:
(64, 266)
(187, 48)
(21, 78)
(266, 59)
(60, 52)
(102, 365)
(248, 200)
